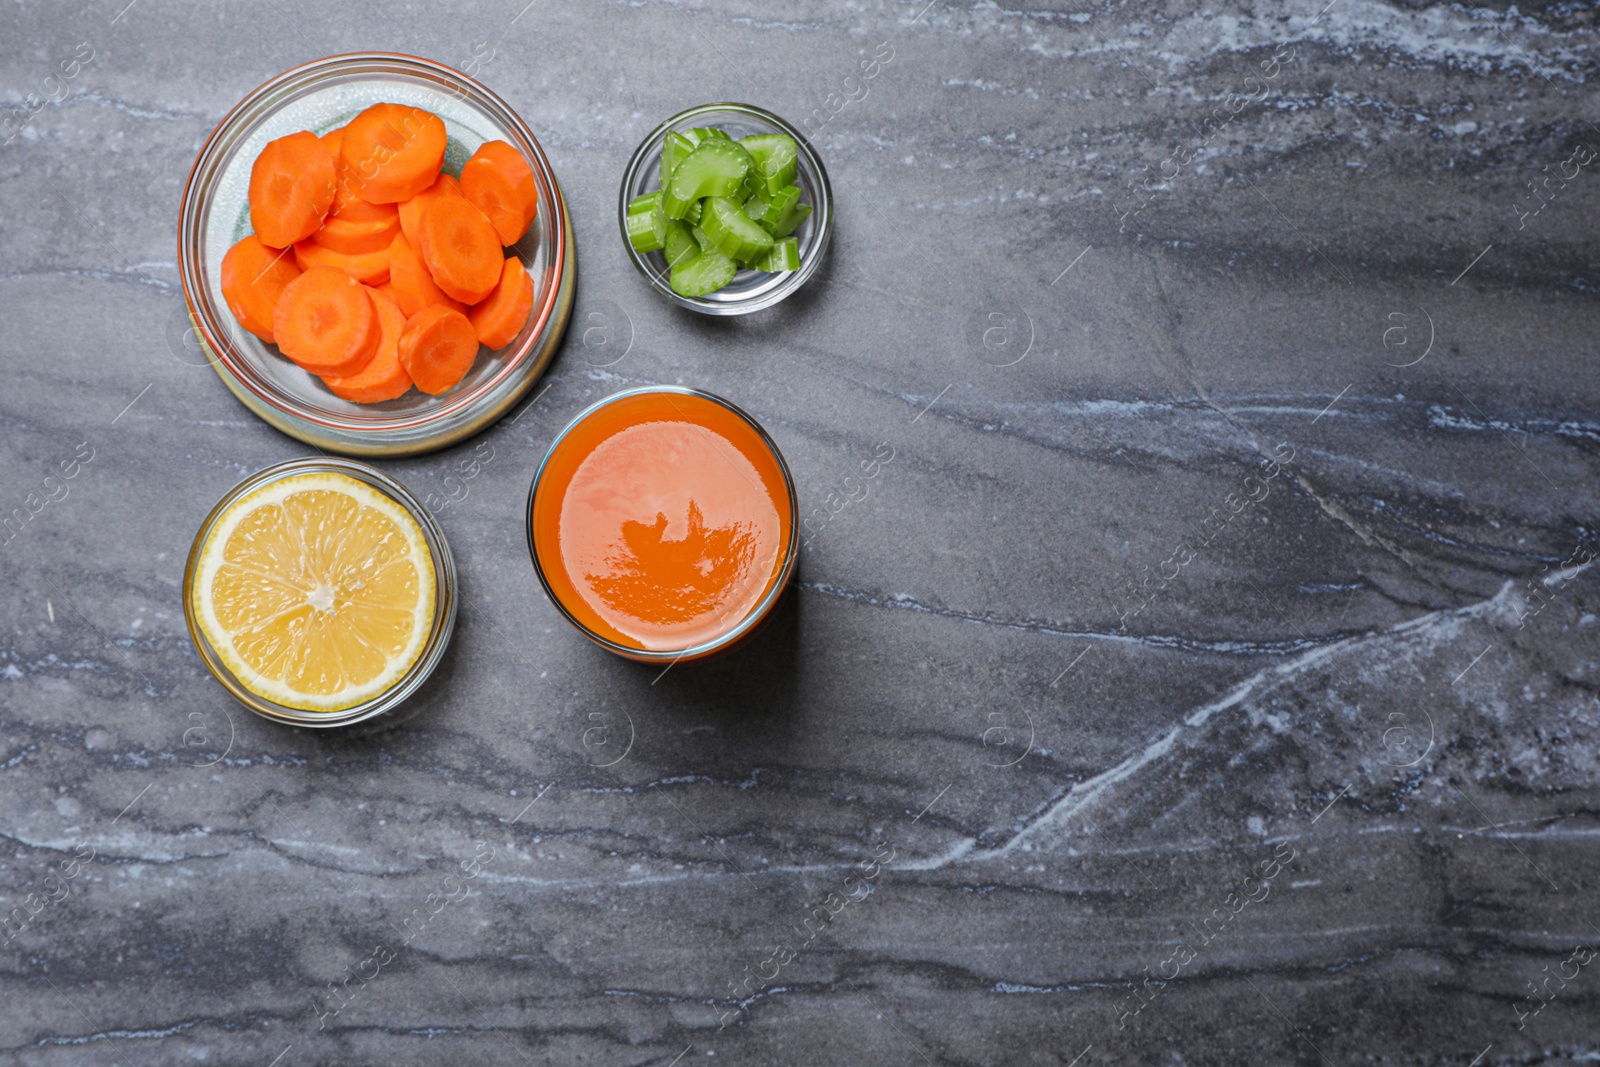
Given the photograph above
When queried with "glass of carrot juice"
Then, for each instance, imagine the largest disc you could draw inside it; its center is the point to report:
(662, 524)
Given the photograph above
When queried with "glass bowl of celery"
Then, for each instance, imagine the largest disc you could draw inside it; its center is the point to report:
(725, 209)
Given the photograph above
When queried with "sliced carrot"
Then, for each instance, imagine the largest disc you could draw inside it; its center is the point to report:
(414, 287)
(387, 287)
(326, 323)
(369, 268)
(331, 141)
(460, 247)
(438, 348)
(383, 378)
(352, 208)
(500, 316)
(411, 210)
(347, 202)
(393, 151)
(344, 191)
(253, 277)
(291, 189)
(500, 184)
(343, 234)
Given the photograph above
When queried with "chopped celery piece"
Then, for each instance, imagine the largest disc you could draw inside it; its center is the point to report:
(703, 275)
(658, 223)
(776, 156)
(731, 230)
(678, 244)
(724, 205)
(673, 151)
(790, 221)
(784, 255)
(714, 168)
(769, 208)
(641, 222)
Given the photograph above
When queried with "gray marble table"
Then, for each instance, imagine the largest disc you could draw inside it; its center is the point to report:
(1209, 678)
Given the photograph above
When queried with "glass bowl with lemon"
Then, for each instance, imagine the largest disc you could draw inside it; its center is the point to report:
(320, 592)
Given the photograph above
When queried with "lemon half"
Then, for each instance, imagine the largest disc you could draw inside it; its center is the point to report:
(316, 591)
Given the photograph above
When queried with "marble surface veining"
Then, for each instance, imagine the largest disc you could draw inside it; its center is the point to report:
(1209, 676)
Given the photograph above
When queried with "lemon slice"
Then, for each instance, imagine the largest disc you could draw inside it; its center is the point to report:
(317, 591)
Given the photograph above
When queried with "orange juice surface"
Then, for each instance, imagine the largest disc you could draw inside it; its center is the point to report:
(661, 520)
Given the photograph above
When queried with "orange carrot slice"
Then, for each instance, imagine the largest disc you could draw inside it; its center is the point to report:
(355, 209)
(344, 190)
(461, 249)
(393, 151)
(344, 234)
(387, 288)
(332, 140)
(369, 268)
(500, 184)
(438, 348)
(500, 316)
(413, 285)
(411, 210)
(383, 378)
(347, 202)
(325, 322)
(291, 189)
(253, 277)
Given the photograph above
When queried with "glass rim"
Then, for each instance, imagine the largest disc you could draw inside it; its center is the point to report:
(444, 598)
(822, 212)
(206, 168)
(763, 607)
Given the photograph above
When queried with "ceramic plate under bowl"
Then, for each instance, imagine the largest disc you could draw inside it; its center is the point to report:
(320, 96)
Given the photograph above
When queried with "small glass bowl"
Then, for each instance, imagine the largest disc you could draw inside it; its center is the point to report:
(320, 96)
(757, 617)
(444, 600)
(750, 290)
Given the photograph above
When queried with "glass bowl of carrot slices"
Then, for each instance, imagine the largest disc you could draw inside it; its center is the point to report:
(716, 279)
(376, 254)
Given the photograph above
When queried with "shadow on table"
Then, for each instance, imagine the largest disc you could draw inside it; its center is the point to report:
(753, 683)
(427, 700)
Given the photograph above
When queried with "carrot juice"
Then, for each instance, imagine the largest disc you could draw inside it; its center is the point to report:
(661, 523)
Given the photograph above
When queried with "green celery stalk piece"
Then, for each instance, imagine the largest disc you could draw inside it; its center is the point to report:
(658, 223)
(790, 221)
(704, 274)
(705, 243)
(715, 168)
(769, 208)
(784, 255)
(641, 222)
(678, 245)
(701, 134)
(777, 158)
(733, 232)
(692, 216)
(673, 151)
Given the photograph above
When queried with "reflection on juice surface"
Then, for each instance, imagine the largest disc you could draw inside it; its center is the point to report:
(670, 517)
